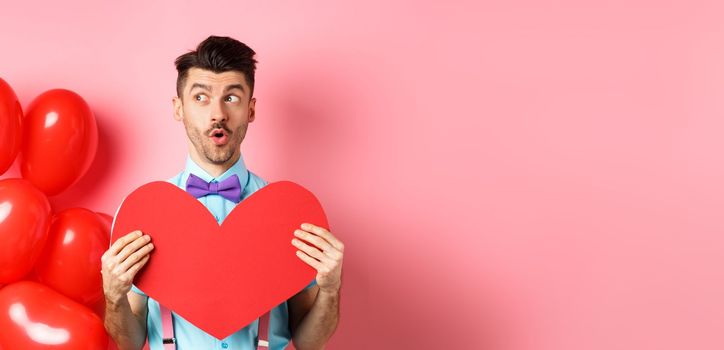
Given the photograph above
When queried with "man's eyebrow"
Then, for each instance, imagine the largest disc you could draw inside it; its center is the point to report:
(208, 88)
(198, 85)
(234, 86)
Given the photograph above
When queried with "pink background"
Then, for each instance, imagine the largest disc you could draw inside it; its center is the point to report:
(505, 175)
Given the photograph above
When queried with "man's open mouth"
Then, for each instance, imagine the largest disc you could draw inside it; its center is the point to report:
(219, 136)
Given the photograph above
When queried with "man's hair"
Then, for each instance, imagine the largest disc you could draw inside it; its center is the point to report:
(217, 54)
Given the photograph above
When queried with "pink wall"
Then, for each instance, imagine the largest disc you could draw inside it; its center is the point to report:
(505, 175)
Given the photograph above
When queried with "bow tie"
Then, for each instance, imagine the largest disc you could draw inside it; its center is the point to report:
(229, 188)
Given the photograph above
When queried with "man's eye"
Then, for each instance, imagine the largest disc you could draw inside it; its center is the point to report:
(232, 98)
(200, 98)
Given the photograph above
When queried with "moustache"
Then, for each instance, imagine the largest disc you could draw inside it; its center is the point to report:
(216, 126)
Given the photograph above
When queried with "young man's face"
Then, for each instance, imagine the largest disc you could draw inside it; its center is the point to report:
(216, 111)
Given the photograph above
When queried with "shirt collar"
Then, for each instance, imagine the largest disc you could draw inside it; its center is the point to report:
(238, 169)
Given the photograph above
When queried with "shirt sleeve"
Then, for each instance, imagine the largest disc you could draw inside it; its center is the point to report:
(137, 291)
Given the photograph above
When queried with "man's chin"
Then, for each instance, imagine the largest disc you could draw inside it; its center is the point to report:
(219, 154)
(219, 159)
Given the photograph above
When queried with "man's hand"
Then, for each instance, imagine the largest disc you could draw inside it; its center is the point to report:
(315, 311)
(125, 317)
(121, 263)
(324, 254)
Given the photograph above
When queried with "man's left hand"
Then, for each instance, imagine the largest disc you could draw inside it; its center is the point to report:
(324, 254)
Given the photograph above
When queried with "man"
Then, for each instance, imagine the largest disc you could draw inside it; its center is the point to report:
(214, 101)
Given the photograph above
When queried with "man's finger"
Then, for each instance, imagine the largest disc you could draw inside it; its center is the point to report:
(123, 241)
(314, 239)
(321, 231)
(131, 273)
(309, 260)
(136, 256)
(311, 251)
(132, 247)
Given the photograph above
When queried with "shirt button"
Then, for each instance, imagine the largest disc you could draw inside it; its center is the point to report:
(224, 345)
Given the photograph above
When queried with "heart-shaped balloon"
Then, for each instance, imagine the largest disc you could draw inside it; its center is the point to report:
(11, 115)
(33, 316)
(24, 220)
(71, 260)
(60, 137)
(221, 278)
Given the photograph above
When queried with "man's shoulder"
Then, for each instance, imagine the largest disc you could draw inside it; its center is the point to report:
(256, 180)
(176, 179)
(255, 183)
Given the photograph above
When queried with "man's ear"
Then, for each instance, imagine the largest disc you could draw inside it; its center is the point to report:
(178, 108)
(252, 109)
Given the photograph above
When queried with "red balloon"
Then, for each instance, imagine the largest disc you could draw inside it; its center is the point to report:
(106, 217)
(60, 137)
(33, 316)
(71, 260)
(24, 221)
(11, 114)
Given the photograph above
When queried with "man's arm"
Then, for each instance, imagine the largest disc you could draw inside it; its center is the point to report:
(125, 321)
(125, 318)
(313, 317)
(314, 312)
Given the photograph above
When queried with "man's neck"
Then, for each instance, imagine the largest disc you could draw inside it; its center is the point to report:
(214, 169)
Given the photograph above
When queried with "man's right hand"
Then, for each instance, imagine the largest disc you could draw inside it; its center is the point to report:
(121, 263)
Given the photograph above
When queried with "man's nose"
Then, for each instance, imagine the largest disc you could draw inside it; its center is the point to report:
(218, 112)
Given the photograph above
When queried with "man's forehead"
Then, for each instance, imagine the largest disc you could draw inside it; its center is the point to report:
(197, 76)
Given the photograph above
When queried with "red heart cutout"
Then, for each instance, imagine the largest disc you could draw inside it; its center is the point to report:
(221, 278)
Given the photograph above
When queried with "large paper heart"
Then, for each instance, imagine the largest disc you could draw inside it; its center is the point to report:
(221, 278)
